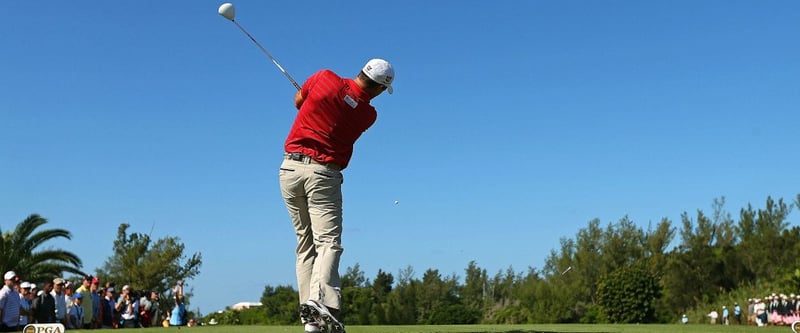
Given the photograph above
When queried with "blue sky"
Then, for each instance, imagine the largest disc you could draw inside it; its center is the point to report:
(513, 124)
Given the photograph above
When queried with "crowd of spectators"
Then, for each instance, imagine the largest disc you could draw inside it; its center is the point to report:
(772, 310)
(84, 305)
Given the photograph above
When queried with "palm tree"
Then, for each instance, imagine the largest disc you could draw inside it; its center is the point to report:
(20, 251)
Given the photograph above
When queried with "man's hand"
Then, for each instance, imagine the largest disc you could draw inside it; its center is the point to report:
(298, 99)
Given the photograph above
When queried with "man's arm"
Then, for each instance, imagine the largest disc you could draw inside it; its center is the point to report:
(3, 300)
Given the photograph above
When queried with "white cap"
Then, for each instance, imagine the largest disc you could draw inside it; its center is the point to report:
(25, 285)
(10, 275)
(380, 71)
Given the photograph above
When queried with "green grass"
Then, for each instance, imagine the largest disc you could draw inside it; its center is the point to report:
(565, 328)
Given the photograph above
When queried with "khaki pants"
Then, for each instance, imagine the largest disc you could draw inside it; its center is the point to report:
(313, 196)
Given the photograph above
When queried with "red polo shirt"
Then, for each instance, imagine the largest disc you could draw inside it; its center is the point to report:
(334, 113)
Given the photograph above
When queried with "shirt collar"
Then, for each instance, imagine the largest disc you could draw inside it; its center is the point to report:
(359, 93)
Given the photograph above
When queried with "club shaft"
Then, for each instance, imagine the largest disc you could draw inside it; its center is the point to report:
(268, 55)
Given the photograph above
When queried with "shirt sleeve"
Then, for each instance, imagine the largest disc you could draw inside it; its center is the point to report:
(310, 83)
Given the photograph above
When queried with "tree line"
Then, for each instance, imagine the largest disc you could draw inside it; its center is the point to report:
(620, 273)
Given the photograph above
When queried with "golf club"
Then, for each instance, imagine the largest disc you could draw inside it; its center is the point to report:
(229, 12)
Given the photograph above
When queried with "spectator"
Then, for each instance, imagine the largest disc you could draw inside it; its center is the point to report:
(149, 309)
(44, 305)
(61, 304)
(784, 311)
(737, 313)
(87, 303)
(155, 310)
(97, 295)
(713, 315)
(751, 311)
(25, 300)
(761, 312)
(684, 319)
(115, 315)
(126, 306)
(797, 308)
(98, 308)
(9, 303)
(108, 311)
(178, 316)
(75, 316)
(69, 291)
(144, 307)
(774, 315)
(725, 315)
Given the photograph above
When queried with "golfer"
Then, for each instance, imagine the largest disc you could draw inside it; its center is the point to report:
(333, 113)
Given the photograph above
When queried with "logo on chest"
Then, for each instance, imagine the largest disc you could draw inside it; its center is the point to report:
(350, 101)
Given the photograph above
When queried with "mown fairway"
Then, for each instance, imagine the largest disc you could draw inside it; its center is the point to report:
(573, 328)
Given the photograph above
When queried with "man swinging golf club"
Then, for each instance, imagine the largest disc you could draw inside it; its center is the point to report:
(333, 113)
